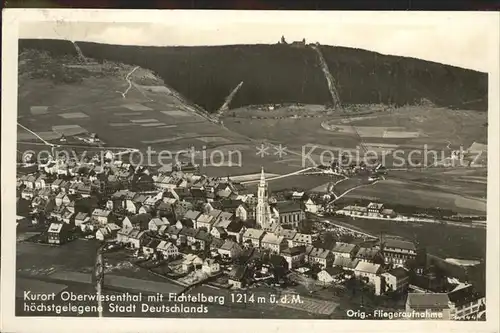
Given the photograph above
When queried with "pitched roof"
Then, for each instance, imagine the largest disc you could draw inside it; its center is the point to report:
(235, 226)
(367, 253)
(303, 238)
(81, 216)
(215, 212)
(101, 212)
(228, 245)
(141, 219)
(203, 235)
(333, 270)
(375, 205)
(367, 267)
(345, 262)
(287, 233)
(205, 218)
(463, 295)
(319, 253)
(428, 301)
(192, 214)
(225, 216)
(253, 233)
(189, 232)
(272, 239)
(55, 227)
(172, 230)
(164, 245)
(159, 222)
(343, 247)
(398, 272)
(153, 243)
(293, 251)
(400, 244)
(216, 243)
(288, 207)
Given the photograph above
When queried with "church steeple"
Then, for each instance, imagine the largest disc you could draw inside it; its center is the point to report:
(263, 210)
(262, 177)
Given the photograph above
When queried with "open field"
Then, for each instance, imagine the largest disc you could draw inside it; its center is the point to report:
(296, 182)
(414, 194)
(442, 240)
(469, 182)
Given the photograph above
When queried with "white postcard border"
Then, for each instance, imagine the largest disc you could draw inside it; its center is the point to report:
(12, 18)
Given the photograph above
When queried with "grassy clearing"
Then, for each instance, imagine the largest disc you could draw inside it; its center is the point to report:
(418, 195)
(445, 241)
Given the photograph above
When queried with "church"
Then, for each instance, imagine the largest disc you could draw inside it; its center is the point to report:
(264, 217)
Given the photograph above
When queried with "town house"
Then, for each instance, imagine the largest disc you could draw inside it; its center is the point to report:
(230, 249)
(156, 223)
(166, 207)
(136, 238)
(56, 184)
(29, 182)
(188, 235)
(223, 219)
(374, 209)
(303, 239)
(40, 182)
(371, 273)
(167, 249)
(45, 193)
(311, 206)
(294, 256)
(172, 233)
(253, 237)
(27, 194)
(289, 235)
(81, 218)
(192, 215)
(149, 247)
(218, 232)
(344, 250)
(139, 221)
(397, 252)
(236, 229)
(203, 238)
(370, 254)
(319, 256)
(274, 243)
(84, 190)
(466, 302)
(62, 199)
(122, 235)
(110, 231)
(396, 280)
(205, 221)
(102, 216)
(436, 306)
(237, 276)
(330, 274)
(210, 267)
(58, 233)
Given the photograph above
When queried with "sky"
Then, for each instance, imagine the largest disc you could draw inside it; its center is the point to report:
(459, 39)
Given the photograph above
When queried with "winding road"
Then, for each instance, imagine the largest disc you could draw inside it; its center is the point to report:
(127, 78)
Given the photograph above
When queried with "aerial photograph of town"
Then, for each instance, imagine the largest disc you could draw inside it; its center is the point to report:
(283, 180)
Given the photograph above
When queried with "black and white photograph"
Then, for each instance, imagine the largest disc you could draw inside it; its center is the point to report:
(318, 166)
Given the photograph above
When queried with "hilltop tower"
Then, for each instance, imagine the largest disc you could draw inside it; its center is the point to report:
(263, 210)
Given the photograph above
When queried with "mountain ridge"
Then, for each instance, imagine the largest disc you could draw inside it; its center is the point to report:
(277, 73)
